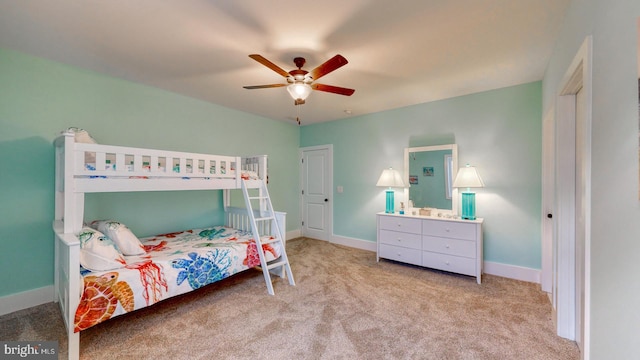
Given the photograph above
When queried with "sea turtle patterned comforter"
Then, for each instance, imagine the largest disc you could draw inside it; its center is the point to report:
(174, 263)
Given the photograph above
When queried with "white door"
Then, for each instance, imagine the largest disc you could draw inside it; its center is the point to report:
(581, 178)
(548, 190)
(573, 201)
(317, 202)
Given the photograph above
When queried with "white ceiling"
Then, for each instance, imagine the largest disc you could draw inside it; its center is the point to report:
(400, 53)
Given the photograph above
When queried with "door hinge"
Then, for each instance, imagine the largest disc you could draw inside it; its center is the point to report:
(303, 192)
(303, 223)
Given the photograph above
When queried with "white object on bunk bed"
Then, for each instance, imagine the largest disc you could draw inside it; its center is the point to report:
(87, 167)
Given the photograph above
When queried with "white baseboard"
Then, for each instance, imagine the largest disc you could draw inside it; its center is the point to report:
(512, 272)
(26, 299)
(354, 243)
(293, 234)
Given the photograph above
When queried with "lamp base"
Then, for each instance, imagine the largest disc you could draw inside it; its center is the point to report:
(468, 205)
(389, 209)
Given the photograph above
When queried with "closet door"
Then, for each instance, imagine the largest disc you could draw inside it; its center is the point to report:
(317, 204)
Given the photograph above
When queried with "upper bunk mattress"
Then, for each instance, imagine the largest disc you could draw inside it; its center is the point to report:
(174, 263)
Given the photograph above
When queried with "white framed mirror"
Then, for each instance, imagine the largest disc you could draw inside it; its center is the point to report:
(429, 172)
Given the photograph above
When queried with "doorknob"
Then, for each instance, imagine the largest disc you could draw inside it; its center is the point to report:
(549, 216)
(326, 200)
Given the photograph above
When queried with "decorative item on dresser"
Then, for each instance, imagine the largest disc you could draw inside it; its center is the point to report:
(441, 243)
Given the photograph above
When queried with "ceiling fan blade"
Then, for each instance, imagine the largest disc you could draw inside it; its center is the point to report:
(269, 64)
(333, 89)
(328, 66)
(264, 86)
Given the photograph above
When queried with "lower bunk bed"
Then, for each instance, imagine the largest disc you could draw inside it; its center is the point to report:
(103, 270)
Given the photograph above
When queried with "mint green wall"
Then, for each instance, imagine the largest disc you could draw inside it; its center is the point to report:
(497, 131)
(39, 98)
(615, 229)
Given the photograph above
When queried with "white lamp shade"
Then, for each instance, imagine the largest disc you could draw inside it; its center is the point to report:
(390, 178)
(299, 90)
(468, 177)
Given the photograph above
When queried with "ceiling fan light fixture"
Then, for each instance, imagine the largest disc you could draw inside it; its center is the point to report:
(299, 90)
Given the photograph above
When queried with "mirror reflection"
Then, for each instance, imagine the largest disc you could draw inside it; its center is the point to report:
(429, 173)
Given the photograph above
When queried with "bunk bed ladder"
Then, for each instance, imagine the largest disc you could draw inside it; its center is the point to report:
(267, 220)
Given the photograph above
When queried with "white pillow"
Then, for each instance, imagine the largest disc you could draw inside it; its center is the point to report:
(82, 136)
(126, 241)
(98, 252)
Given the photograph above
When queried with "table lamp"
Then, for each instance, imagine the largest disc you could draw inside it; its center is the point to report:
(468, 177)
(390, 178)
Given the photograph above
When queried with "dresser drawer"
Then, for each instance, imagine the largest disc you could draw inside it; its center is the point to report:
(397, 253)
(456, 264)
(449, 229)
(449, 246)
(399, 223)
(396, 238)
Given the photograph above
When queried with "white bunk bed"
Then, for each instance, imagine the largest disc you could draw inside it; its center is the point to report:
(88, 168)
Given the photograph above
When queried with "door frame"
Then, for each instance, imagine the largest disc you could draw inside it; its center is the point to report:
(578, 76)
(329, 173)
(548, 191)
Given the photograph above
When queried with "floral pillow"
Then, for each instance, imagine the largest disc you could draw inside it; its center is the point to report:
(98, 252)
(126, 241)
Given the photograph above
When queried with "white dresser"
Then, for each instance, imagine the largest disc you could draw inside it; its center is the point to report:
(453, 245)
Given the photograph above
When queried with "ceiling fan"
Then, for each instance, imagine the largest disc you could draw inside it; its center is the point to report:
(300, 82)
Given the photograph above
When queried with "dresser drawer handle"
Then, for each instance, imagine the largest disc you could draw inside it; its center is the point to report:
(399, 239)
(447, 246)
(446, 262)
(447, 230)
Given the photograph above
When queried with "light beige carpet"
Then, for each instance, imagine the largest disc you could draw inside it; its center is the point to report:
(345, 306)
